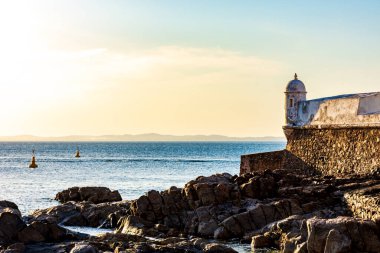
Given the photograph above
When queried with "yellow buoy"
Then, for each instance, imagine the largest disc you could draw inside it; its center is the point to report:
(33, 163)
(77, 154)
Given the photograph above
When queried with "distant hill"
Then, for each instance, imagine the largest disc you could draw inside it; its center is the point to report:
(138, 137)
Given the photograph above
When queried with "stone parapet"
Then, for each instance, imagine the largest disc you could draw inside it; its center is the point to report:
(282, 159)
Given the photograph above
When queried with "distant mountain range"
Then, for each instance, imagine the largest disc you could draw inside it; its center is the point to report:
(138, 137)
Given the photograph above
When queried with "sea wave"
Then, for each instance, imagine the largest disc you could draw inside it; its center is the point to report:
(118, 159)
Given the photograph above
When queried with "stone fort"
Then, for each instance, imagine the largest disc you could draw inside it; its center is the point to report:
(337, 135)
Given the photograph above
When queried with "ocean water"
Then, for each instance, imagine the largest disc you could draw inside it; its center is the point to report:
(130, 167)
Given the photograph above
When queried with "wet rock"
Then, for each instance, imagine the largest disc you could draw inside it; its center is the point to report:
(75, 220)
(10, 225)
(273, 208)
(155, 200)
(56, 247)
(237, 225)
(205, 193)
(93, 194)
(55, 214)
(15, 248)
(215, 189)
(355, 233)
(105, 215)
(336, 242)
(263, 241)
(261, 186)
(217, 248)
(39, 231)
(10, 207)
(30, 235)
(134, 225)
(84, 248)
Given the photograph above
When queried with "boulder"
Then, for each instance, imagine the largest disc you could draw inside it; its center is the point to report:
(258, 217)
(93, 194)
(105, 215)
(10, 207)
(336, 242)
(84, 248)
(56, 247)
(39, 231)
(55, 214)
(10, 225)
(217, 248)
(340, 234)
(15, 248)
(215, 189)
(260, 186)
(262, 241)
(133, 225)
(30, 235)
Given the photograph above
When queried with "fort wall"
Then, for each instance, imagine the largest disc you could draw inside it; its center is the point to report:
(328, 150)
(340, 110)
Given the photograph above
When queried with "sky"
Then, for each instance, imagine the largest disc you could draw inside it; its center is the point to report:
(91, 67)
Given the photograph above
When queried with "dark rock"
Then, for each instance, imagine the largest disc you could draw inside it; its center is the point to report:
(75, 220)
(256, 218)
(105, 215)
(134, 225)
(15, 248)
(84, 248)
(336, 242)
(55, 214)
(10, 207)
(61, 247)
(30, 235)
(10, 225)
(217, 248)
(93, 194)
(353, 233)
(266, 240)
(39, 231)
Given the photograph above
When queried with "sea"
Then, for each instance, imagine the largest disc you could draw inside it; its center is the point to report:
(132, 168)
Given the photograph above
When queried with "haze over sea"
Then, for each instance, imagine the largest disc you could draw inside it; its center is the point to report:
(130, 167)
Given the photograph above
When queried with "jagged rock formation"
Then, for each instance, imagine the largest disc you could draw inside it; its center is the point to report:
(278, 209)
(223, 206)
(85, 213)
(93, 194)
(13, 229)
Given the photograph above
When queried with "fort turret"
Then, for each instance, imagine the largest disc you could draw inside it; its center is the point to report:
(294, 94)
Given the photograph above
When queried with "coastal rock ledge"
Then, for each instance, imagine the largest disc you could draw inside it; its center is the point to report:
(275, 209)
(93, 194)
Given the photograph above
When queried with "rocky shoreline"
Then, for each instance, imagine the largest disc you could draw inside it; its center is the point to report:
(281, 210)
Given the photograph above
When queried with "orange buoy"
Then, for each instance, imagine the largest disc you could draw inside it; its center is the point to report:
(33, 163)
(77, 155)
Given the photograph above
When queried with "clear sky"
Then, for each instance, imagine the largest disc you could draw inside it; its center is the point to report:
(177, 67)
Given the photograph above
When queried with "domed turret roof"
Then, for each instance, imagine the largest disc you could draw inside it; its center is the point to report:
(295, 85)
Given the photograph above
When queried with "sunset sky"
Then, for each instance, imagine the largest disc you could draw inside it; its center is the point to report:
(92, 67)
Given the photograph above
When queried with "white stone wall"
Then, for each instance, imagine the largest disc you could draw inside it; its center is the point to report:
(355, 109)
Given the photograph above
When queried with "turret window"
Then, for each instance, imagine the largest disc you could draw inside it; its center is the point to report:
(291, 102)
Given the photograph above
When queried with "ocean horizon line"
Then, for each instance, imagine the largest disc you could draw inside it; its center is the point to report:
(149, 137)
